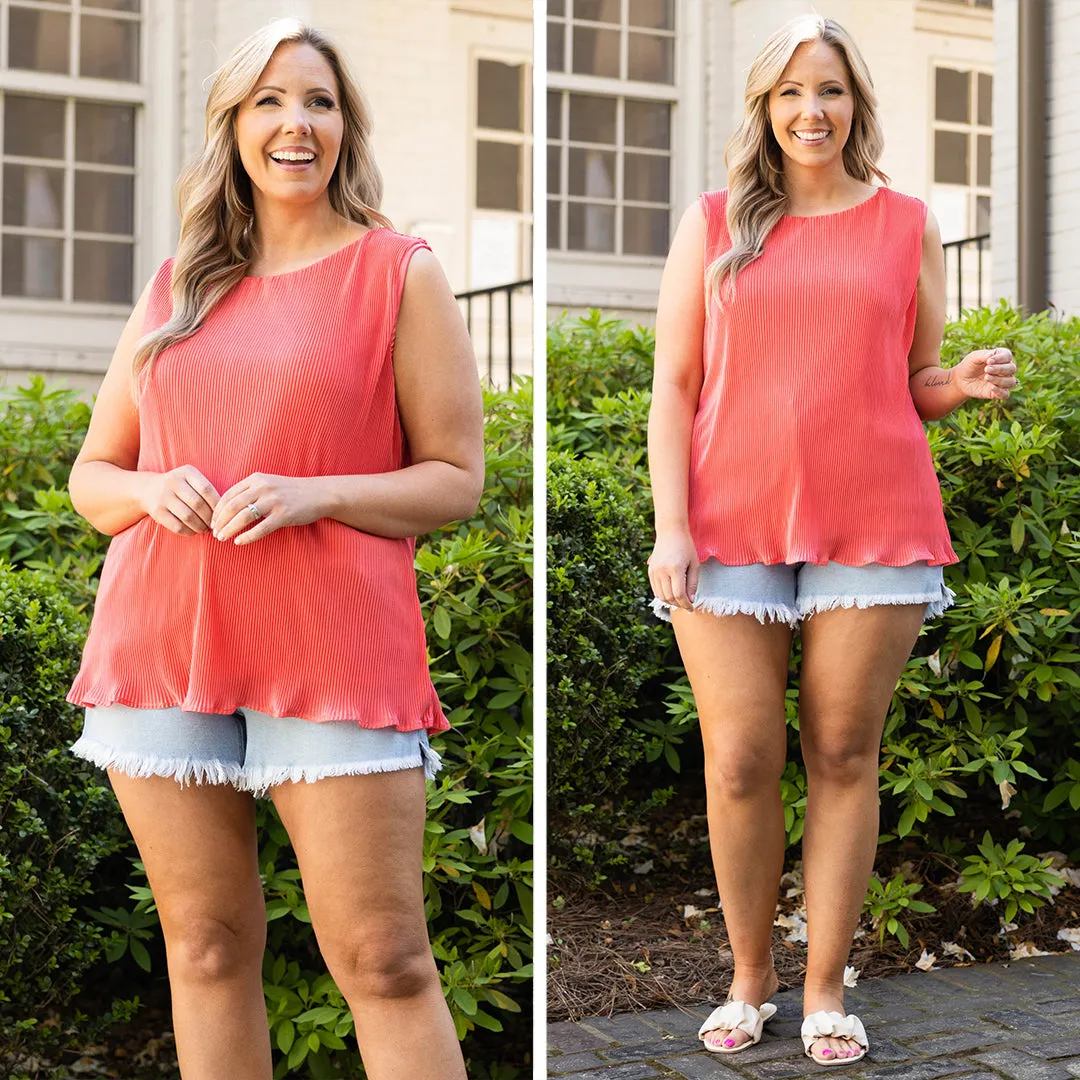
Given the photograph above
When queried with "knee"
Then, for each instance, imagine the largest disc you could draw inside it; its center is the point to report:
(385, 965)
(205, 949)
(736, 772)
(841, 761)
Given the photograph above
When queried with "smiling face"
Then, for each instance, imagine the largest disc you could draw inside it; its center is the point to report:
(811, 106)
(289, 129)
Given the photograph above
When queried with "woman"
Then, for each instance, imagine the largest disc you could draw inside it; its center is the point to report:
(293, 399)
(798, 334)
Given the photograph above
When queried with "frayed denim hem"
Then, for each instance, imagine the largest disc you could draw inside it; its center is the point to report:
(936, 602)
(137, 765)
(761, 611)
(256, 781)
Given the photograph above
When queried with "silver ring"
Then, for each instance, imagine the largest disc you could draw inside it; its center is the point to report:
(255, 510)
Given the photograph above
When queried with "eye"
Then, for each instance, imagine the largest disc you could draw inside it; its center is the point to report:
(834, 90)
(784, 93)
(265, 100)
(323, 101)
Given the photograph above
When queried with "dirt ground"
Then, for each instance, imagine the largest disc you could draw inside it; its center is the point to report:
(655, 938)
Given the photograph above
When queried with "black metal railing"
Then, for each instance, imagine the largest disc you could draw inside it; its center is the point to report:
(959, 282)
(491, 335)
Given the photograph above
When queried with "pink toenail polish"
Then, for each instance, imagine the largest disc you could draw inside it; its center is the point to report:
(729, 1042)
(826, 1052)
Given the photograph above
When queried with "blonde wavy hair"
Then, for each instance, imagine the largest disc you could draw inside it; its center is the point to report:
(217, 211)
(756, 196)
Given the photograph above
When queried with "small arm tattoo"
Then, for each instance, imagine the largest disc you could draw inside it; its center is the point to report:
(939, 380)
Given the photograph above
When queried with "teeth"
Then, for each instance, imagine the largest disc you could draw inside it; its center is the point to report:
(806, 136)
(292, 156)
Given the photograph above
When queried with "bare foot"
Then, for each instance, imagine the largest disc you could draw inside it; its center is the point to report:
(827, 1049)
(755, 989)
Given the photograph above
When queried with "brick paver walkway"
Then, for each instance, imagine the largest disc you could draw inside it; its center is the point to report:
(1019, 1021)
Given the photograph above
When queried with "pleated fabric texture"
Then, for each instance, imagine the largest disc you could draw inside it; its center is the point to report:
(291, 375)
(807, 446)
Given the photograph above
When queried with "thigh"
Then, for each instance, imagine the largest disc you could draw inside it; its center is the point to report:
(851, 661)
(199, 845)
(359, 845)
(738, 670)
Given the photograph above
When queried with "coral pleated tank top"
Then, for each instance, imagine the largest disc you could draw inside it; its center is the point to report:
(292, 375)
(806, 445)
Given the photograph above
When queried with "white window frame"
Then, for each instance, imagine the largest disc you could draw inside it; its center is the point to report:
(972, 130)
(71, 89)
(523, 217)
(603, 86)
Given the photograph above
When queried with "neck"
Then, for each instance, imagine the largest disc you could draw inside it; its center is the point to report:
(286, 231)
(819, 188)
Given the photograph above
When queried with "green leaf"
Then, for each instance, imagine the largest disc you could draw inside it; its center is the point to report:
(286, 1034)
(464, 1000)
(139, 953)
(1016, 535)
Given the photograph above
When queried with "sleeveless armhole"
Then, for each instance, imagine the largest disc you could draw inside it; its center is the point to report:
(399, 265)
(159, 303)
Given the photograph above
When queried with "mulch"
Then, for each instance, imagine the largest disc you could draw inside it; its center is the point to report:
(629, 944)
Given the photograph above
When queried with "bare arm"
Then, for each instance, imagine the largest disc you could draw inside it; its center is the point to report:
(932, 387)
(677, 378)
(105, 485)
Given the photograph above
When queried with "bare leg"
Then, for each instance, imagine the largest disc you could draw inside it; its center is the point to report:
(358, 842)
(738, 671)
(852, 658)
(199, 846)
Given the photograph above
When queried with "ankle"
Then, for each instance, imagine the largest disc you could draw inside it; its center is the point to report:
(823, 996)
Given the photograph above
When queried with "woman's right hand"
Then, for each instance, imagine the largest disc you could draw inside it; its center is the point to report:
(182, 500)
(673, 569)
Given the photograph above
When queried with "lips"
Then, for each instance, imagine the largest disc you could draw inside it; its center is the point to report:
(811, 137)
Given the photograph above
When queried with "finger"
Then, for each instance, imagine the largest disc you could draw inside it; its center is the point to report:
(256, 532)
(191, 496)
(203, 486)
(238, 522)
(693, 573)
(231, 508)
(173, 523)
(678, 589)
(184, 514)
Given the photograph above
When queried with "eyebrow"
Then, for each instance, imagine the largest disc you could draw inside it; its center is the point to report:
(799, 84)
(282, 90)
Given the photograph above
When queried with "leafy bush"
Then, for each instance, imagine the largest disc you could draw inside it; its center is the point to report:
(476, 593)
(982, 729)
(57, 819)
(996, 873)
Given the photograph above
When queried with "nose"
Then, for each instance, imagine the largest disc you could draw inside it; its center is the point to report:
(296, 121)
(812, 109)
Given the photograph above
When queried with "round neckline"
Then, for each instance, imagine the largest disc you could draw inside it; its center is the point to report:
(836, 213)
(311, 265)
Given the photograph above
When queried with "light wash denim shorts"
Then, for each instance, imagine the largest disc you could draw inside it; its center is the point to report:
(248, 749)
(791, 592)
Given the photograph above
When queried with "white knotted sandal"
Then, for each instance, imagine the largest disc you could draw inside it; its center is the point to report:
(736, 1016)
(824, 1025)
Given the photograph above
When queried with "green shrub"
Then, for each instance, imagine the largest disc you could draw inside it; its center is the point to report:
(603, 646)
(983, 724)
(58, 820)
(476, 592)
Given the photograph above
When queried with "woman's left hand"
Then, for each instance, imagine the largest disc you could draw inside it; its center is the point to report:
(281, 501)
(987, 373)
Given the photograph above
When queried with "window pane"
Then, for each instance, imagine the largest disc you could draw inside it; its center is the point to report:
(557, 7)
(984, 3)
(592, 173)
(39, 40)
(109, 48)
(556, 46)
(554, 117)
(499, 96)
(33, 196)
(648, 124)
(554, 209)
(103, 272)
(645, 232)
(590, 228)
(982, 215)
(645, 178)
(951, 94)
(982, 161)
(597, 11)
(651, 58)
(104, 134)
(554, 171)
(596, 52)
(32, 267)
(951, 157)
(34, 127)
(104, 202)
(659, 14)
(986, 99)
(592, 119)
(498, 176)
(112, 5)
